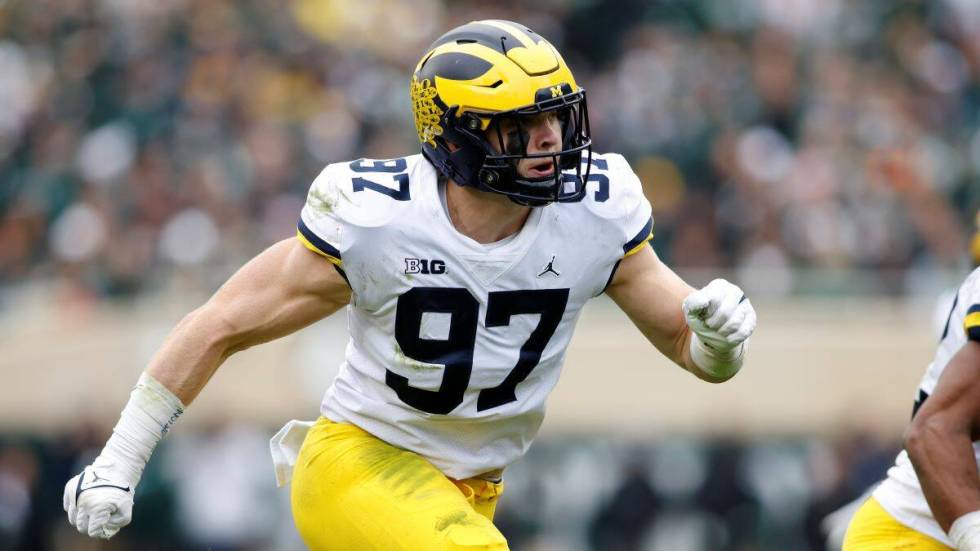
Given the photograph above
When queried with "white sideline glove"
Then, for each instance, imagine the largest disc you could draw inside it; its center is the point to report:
(99, 501)
(720, 315)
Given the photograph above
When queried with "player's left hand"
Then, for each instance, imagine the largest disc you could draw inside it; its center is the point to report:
(720, 314)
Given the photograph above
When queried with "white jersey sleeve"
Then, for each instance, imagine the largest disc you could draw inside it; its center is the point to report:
(971, 319)
(901, 494)
(619, 200)
(336, 215)
(622, 214)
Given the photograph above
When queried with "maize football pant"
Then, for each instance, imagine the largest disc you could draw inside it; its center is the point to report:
(351, 490)
(873, 529)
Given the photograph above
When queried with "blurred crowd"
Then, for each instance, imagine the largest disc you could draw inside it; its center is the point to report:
(214, 490)
(151, 144)
(157, 145)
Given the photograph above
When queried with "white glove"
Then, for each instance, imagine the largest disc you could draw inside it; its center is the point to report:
(720, 314)
(722, 319)
(99, 501)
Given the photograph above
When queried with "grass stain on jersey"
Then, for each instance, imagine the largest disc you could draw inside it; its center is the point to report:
(320, 202)
(411, 363)
(369, 277)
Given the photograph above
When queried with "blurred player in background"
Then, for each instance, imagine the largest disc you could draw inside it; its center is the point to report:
(940, 507)
(465, 269)
(836, 523)
(931, 497)
(934, 220)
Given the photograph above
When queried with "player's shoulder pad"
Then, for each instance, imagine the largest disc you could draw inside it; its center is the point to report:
(613, 190)
(363, 192)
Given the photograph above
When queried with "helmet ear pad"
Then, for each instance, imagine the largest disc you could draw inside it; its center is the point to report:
(457, 153)
(467, 151)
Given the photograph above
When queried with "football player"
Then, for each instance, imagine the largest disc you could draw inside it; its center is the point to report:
(930, 499)
(835, 524)
(464, 270)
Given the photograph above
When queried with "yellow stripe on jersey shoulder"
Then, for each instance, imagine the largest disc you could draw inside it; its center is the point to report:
(306, 242)
(637, 248)
(971, 321)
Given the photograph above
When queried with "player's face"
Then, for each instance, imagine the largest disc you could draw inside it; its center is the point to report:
(539, 133)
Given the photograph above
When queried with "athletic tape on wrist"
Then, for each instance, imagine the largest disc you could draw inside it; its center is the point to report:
(965, 532)
(150, 412)
(714, 362)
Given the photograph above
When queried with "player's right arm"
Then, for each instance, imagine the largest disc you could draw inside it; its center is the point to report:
(281, 290)
(940, 444)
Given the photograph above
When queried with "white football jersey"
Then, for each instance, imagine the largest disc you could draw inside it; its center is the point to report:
(455, 345)
(900, 494)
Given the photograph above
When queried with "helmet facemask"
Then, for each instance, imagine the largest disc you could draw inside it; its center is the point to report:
(498, 172)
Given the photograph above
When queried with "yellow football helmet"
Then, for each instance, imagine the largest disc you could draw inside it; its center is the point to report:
(480, 73)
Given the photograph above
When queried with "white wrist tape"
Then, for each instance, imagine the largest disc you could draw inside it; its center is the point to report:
(965, 532)
(149, 414)
(719, 363)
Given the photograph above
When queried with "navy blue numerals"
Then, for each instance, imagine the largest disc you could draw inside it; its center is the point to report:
(602, 191)
(395, 167)
(501, 305)
(456, 351)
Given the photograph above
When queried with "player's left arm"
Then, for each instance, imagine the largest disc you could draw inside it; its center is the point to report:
(704, 331)
(940, 444)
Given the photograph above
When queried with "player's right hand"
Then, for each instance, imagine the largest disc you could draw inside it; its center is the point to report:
(99, 502)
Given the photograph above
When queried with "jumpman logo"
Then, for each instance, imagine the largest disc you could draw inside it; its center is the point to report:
(550, 268)
(91, 484)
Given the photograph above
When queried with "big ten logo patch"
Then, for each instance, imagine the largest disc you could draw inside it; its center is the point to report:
(424, 266)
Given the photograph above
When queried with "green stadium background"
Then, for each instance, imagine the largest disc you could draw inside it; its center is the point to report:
(823, 154)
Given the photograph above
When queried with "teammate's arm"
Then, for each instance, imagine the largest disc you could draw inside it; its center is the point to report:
(703, 331)
(939, 442)
(281, 290)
